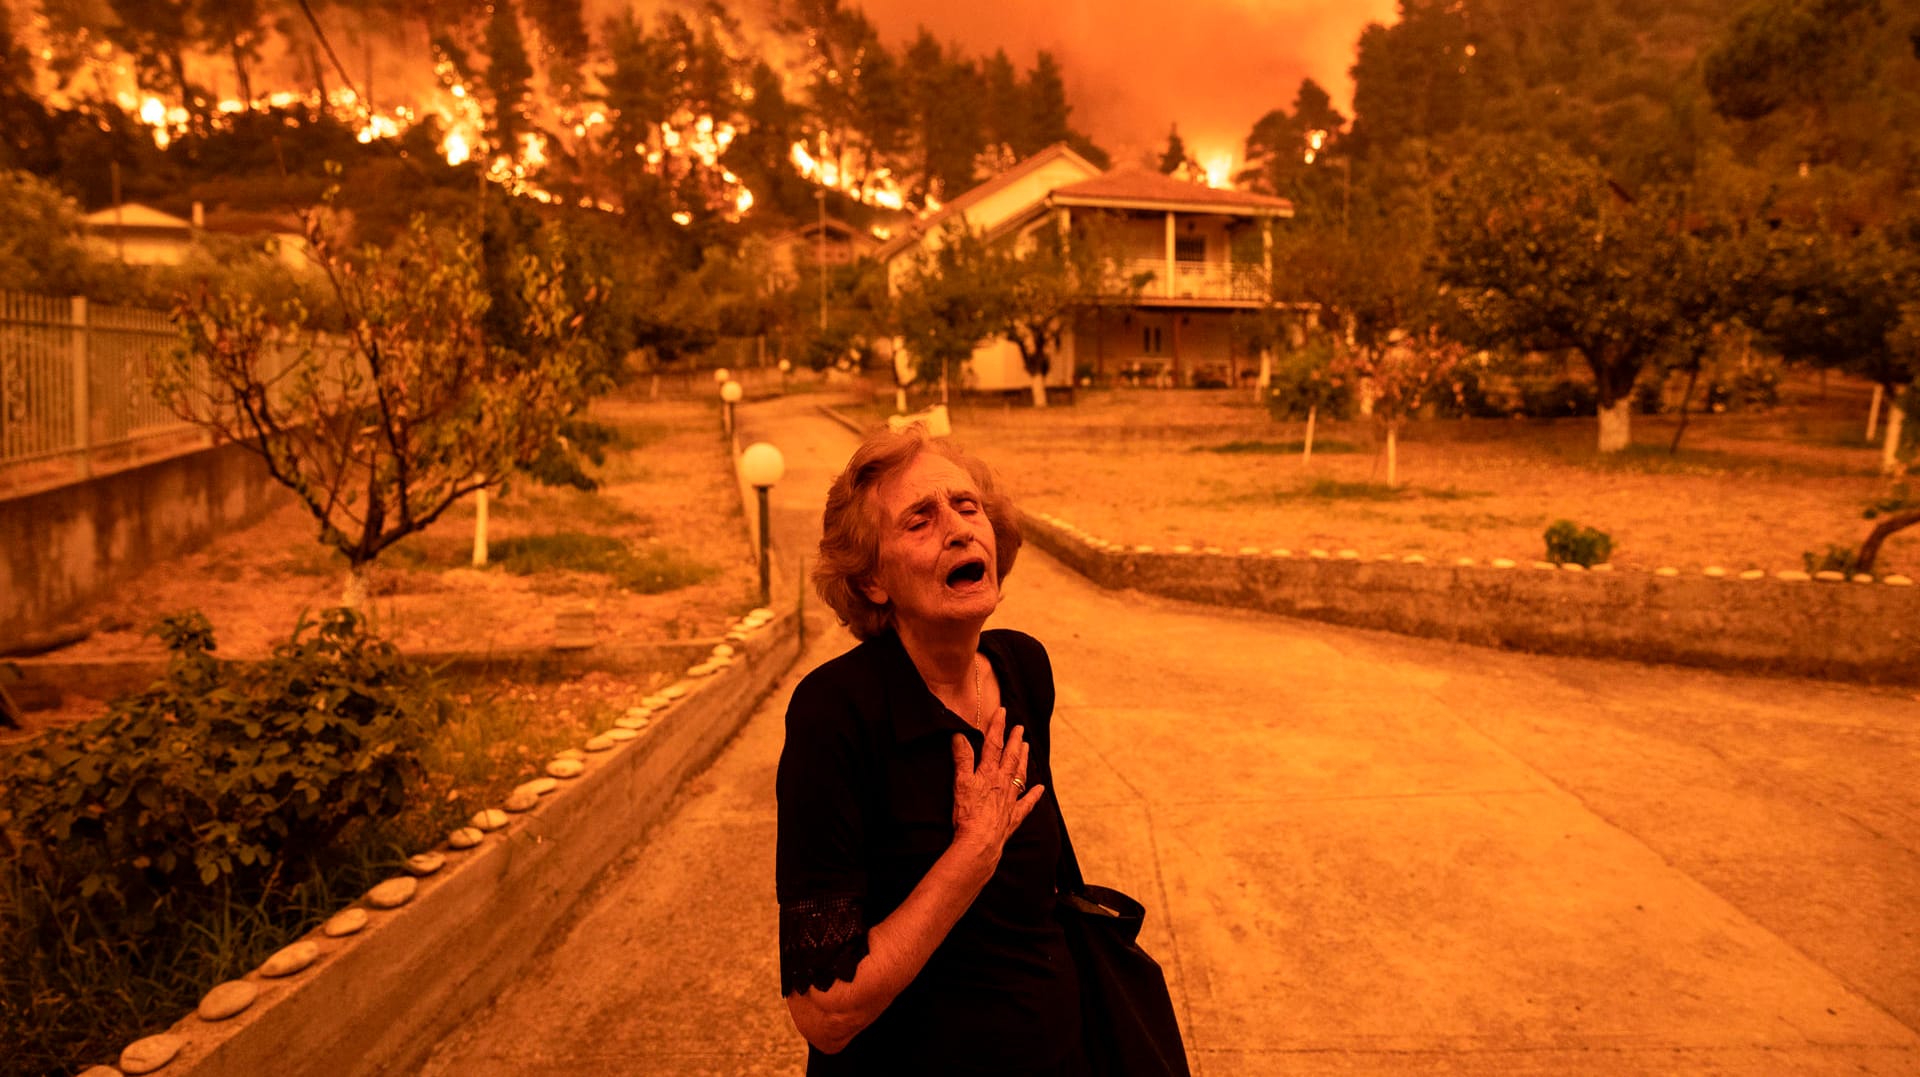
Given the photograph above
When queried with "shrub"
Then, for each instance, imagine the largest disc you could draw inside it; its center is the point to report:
(1303, 380)
(134, 844)
(1557, 399)
(1569, 543)
(1832, 559)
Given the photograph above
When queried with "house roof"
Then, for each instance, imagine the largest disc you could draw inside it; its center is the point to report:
(134, 215)
(946, 212)
(1138, 188)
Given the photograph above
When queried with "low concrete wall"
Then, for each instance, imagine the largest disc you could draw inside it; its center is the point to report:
(1842, 630)
(378, 1001)
(59, 548)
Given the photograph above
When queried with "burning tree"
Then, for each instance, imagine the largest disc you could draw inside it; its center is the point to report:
(415, 408)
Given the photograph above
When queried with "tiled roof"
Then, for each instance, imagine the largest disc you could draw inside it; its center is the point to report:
(938, 219)
(134, 215)
(1140, 186)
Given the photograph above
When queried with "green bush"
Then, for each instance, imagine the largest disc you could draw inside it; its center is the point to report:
(1832, 559)
(135, 845)
(1557, 399)
(648, 569)
(1569, 543)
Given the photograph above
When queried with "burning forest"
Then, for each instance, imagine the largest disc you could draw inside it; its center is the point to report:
(694, 113)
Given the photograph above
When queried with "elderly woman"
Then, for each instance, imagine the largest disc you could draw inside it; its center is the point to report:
(918, 851)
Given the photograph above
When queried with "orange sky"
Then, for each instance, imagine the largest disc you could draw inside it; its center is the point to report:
(1133, 68)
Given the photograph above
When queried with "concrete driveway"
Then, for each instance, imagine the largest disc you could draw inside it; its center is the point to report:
(1360, 853)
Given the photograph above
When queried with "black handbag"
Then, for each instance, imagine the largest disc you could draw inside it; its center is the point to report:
(1126, 1014)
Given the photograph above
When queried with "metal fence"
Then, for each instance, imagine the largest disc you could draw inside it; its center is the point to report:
(74, 380)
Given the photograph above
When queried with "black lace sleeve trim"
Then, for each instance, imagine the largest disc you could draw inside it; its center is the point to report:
(822, 940)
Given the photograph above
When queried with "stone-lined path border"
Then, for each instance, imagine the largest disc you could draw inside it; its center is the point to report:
(372, 989)
(1786, 622)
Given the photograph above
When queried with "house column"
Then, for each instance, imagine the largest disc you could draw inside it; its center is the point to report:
(1266, 256)
(1169, 276)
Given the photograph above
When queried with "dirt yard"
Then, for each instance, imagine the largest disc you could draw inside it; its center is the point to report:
(660, 551)
(1747, 490)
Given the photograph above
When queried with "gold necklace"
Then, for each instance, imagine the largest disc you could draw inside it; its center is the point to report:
(977, 695)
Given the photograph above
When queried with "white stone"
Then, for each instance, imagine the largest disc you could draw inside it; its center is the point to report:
(466, 837)
(721, 662)
(1413, 559)
(639, 712)
(426, 863)
(538, 786)
(1183, 548)
(1320, 554)
(569, 753)
(631, 723)
(737, 635)
(1502, 562)
(566, 768)
(723, 650)
(345, 922)
(1546, 566)
(622, 734)
(1605, 566)
(1896, 580)
(1280, 551)
(291, 959)
(1666, 571)
(1385, 557)
(700, 670)
(655, 701)
(145, 1056)
(599, 744)
(1143, 548)
(1349, 555)
(1713, 572)
(1212, 550)
(1465, 562)
(674, 691)
(1573, 566)
(394, 892)
(521, 800)
(1863, 577)
(488, 819)
(762, 612)
(1792, 575)
(226, 999)
(1830, 576)
(1754, 574)
(1244, 550)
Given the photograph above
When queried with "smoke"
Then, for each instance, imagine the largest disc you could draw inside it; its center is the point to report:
(1135, 67)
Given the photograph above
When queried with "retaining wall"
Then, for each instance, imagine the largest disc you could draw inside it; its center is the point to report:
(61, 548)
(1777, 623)
(376, 1002)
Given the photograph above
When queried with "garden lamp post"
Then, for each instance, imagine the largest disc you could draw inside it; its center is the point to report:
(762, 466)
(786, 368)
(730, 394)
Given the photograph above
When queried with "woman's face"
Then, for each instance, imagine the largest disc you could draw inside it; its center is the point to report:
(937, 560)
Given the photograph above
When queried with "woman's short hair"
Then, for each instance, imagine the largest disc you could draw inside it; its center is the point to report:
(850, 530)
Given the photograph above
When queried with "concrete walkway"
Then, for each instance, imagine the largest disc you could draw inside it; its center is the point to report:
(1360, 853)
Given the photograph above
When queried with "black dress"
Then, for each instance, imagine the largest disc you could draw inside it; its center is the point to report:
(865, 793)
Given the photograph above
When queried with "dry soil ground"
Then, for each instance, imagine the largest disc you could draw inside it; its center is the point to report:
(1747, 490)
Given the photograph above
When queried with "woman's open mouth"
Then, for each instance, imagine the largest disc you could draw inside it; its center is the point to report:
(967, 575)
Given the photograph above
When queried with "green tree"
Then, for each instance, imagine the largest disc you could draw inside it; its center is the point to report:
(417, 411)
(1544, 253)
(1175, 157)
(944, 306)
(508, 73)
(1048, 116)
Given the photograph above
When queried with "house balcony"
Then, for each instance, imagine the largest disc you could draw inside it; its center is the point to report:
(1222, 284)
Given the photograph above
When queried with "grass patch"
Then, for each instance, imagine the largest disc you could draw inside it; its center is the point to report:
(1656, 460)
(1479, 521)
(1280, 448)
(1337, 490)
(648, 569)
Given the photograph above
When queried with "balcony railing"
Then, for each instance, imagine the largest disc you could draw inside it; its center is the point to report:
(1241, 282)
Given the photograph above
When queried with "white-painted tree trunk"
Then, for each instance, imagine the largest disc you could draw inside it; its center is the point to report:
(1306, 451)
(1039, 390)
(1890, 449)
(480, 529)
(900, 399)
(1265, 380)
(1873, 411)
(1393, 459)
(358, 586)
(1616, 431)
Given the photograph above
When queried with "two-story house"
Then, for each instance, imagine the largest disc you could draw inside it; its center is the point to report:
(1202, 254)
